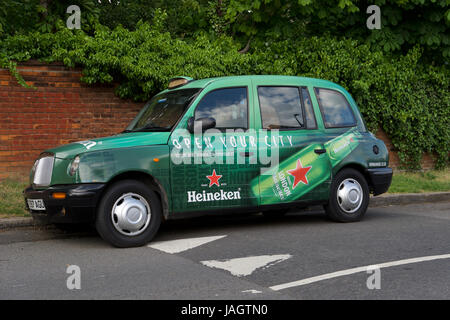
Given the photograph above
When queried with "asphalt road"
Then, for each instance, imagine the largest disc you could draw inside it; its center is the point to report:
(242, 257)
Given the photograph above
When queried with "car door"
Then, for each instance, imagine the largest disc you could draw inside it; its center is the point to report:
(212, 169)
(287, 115)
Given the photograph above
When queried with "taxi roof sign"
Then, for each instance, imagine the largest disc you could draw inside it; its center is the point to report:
(178, 82)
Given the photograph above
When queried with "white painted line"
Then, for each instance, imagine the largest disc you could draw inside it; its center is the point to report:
(245, 266)
(180, 245)
(252, 291)
(356, 270)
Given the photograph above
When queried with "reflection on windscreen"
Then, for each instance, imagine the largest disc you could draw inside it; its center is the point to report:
(163, 111)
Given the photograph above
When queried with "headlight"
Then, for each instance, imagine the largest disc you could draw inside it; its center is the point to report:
(42, 170)
(74, 165)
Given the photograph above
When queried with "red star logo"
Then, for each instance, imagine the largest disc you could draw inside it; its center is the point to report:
(299, 174)
(214, 178)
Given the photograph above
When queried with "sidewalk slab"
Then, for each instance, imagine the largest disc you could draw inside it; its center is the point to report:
(17, 222)
(388, 199)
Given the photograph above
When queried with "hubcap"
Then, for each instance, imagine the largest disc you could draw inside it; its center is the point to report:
(131, 214)
(349, 195)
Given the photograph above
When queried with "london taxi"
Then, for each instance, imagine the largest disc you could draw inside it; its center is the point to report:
(227, 144)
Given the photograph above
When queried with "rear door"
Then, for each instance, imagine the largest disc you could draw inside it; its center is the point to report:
(291, 132)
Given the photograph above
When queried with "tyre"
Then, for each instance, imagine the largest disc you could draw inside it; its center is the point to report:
(129, 214)
(349, 197)
(275, 213)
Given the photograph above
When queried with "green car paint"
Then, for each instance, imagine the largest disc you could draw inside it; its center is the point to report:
(300, 175)
(191, 187)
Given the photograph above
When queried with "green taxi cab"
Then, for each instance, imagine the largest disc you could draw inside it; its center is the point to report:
(227, 144)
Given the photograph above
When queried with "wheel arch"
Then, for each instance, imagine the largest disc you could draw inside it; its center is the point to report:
(149, 180)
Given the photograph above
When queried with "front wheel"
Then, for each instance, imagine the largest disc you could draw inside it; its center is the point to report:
(349, 196)
(129, 214)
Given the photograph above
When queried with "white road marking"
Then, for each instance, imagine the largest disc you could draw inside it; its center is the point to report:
(252, 291)
(245, 266)
(180, 245)
(356, 270)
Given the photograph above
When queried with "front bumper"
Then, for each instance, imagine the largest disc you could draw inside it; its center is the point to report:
(79, 204)
(380, 180)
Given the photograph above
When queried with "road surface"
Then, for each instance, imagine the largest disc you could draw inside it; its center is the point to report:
(298, 256)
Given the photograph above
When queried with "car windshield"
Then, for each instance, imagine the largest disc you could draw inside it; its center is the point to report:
(162, 111)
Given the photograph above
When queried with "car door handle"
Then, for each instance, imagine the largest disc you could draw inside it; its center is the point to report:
(246, 154)
(320, 151)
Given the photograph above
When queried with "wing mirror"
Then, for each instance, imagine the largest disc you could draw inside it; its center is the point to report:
(200, 124)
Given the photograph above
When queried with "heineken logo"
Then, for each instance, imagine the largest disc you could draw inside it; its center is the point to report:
(299, 174)
(194, 196)
(214, 178)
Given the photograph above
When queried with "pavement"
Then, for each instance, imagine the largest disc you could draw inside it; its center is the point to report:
(298, 256)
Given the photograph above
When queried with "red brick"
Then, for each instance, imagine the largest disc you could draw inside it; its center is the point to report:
(60, 111)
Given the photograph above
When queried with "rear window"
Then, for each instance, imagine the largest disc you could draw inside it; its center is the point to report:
(336, 110)
(281, 108)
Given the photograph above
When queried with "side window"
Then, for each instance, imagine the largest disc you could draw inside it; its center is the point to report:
(228, 106)
(336, 111)
(309, 111)
(281, 108)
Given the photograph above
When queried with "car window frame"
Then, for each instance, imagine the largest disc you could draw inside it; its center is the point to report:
(301, 106)
(312, 108)
(221, 88)
(355, 123)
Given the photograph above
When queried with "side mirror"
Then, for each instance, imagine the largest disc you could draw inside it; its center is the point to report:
(204, 123)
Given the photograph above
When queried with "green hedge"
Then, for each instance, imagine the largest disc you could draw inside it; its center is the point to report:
(408, 100)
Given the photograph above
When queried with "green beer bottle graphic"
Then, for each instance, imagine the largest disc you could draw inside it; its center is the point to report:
(294, 177)
(304, 170)
(341, 146)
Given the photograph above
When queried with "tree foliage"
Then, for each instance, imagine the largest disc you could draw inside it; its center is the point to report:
(404, 23)
(141, 44)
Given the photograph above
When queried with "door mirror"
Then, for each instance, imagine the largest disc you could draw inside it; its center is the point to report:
(204, 123)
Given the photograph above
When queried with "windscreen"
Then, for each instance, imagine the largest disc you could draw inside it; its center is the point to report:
(162, 112)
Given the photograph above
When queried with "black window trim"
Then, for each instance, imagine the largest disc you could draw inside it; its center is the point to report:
(301, 106)
(355, 123)
(221, 88)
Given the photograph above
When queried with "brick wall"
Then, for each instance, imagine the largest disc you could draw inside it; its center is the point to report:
(427, 161)
(63, 110)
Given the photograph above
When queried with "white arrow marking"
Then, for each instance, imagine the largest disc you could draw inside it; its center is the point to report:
(245, 266)
(356, 270)
(180, 245)
(252, 291)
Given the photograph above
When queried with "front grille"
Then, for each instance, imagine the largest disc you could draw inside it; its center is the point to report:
(43, 169)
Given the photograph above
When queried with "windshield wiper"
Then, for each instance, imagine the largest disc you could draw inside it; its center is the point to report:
(152, 128)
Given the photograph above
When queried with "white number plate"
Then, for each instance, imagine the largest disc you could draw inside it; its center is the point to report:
(36, 204)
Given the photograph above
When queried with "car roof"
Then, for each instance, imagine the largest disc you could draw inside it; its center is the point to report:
(202, 83)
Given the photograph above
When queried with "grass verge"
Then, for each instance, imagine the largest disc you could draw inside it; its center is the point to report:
(417, 182)
(11, 198)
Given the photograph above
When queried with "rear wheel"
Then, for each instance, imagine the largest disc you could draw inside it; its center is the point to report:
(349, 196)
(129, 214)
